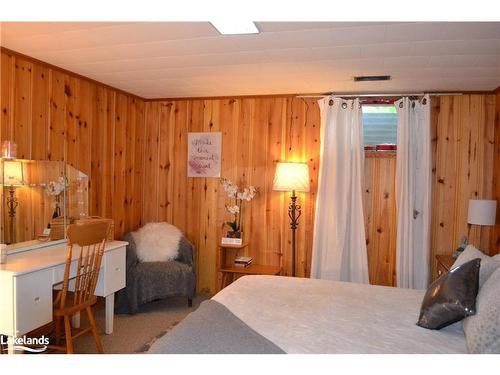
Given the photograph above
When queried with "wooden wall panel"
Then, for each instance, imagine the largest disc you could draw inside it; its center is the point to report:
(380, 217)
(495, 237)
(53, 115)
(257, 133)
(463, 168)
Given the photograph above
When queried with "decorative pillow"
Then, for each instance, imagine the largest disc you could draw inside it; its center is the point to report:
(482, 331)
(157, 242)
(452, 297)
(488, 265)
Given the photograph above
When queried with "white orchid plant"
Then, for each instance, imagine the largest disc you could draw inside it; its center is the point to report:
(233, 192)
(55, 189)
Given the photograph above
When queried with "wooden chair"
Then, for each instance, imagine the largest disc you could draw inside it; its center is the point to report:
(89, 239)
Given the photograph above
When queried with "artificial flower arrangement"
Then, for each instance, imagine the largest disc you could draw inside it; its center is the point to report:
(233, 192)
(55, 189)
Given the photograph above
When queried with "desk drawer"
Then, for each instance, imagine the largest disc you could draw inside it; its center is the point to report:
(58, 272)
(112, 276)
(115, 266)
(33, 300)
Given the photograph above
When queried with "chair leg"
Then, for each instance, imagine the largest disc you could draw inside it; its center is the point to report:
(97, 339)
(190, 302)
(57, 338)
(67, 332)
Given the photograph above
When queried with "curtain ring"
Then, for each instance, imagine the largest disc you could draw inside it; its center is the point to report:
(330, 102)
(401, 105)
(424, 102)
(344, 105)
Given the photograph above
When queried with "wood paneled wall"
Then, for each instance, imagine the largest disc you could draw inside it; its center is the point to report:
(135, 154)
(257, 133)
(53, 115)
(495, 238)
(379, 206)
(463, 138)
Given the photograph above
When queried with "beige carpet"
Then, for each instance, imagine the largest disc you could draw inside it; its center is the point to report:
(135, 333)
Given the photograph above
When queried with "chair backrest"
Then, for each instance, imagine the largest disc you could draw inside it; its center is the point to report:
(89, 239)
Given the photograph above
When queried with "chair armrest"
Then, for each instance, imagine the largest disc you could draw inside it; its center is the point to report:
(132, 259)
(186, 252)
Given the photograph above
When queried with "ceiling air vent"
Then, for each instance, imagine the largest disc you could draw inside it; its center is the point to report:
(371, 78)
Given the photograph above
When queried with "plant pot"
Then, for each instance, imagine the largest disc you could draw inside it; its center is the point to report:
(234, 234)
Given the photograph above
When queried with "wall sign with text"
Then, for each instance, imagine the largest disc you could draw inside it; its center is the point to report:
(204, 154)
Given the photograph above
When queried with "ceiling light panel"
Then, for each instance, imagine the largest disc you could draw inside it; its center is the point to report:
(228, 27)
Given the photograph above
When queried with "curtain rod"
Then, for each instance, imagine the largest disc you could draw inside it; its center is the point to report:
(379, 95)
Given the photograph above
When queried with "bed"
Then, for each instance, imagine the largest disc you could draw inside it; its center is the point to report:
(275, 314)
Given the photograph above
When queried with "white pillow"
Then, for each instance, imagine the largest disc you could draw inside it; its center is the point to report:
(157, 242)
(488, 265)
(482, 331)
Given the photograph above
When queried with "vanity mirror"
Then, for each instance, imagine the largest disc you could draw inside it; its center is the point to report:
(38, 200)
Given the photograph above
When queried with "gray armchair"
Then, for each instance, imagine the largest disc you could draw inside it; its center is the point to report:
(149, 281)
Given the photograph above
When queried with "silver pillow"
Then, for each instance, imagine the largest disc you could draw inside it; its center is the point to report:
(488, 265)
(482, 331)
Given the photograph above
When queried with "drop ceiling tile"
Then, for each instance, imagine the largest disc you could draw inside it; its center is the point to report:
(26, 29)
(289, 54)
(487, 60)
(336, 53)
(412, 32)
(384, 50)
(297, 26)
(158, 63)
(469, 30)
(125, 34)
(454, 47)
(408, 61)
(359, 36)
(448, 61)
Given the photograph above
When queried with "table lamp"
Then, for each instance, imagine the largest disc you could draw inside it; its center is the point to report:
(481, 212)
(12, 177)
(292, 177)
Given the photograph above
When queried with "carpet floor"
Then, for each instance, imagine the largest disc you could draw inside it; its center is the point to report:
(136, 333)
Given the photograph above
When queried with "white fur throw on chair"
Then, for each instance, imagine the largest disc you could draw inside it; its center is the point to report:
(157, 242)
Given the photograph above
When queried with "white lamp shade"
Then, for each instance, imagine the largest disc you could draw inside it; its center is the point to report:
(13, 173)
(291, 176)
(482, 212)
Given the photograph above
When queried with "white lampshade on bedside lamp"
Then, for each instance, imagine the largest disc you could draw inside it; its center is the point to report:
(481, 212)
(292, 177)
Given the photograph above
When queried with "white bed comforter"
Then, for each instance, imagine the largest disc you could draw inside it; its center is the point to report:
(318, 316)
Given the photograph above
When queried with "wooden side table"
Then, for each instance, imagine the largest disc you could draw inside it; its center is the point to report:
(443, 264)
(225, 265)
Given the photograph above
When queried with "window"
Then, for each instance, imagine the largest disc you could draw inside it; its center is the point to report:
(379, 126)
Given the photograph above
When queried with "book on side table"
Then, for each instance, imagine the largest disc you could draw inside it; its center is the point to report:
(243, 261)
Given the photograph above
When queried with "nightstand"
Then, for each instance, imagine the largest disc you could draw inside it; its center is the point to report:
(443, 264)
(225, 265)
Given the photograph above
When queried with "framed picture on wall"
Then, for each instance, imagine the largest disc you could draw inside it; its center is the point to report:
(204, 154)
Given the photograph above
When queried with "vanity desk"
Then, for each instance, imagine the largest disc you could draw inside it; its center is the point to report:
(28, 277)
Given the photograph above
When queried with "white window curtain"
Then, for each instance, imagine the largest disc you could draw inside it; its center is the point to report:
(413, 193)
(339, 245)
